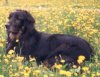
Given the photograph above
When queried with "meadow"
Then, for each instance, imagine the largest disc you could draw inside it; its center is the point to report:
(75, 17)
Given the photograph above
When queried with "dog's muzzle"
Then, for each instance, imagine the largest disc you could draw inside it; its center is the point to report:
(15, 35)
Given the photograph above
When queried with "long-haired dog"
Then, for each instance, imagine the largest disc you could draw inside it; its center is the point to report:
(43, 46)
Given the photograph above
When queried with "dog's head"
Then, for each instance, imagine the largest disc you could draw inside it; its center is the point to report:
(19, 22)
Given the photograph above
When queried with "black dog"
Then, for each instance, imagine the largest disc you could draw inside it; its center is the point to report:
(43, 46)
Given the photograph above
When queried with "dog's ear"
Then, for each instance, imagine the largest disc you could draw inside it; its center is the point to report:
(10, 15)
(30, 21)
(29, 17)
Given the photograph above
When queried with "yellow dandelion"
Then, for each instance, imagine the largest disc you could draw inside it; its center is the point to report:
(26, 74)
(14, 61)
(6, 61)
(1, 75)
(51, 75)
(68, 73)
(81, 57)
(93, 75)
(75, 74)
(1, 44)
(37, 71)
(11, 52)
(74, 66)
(62, 61)
(83, 75)
(8, 56)
(27, 71)
(32, 59)
(20, 67)
(80, 61)
(58, 66)
(98, 74)
(85, 68)
(45, 75)
(19, 58)
(62, 72)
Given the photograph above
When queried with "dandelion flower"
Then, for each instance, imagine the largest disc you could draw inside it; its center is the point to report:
(37, 71)
(1, 45)
(51, 75)
(58, 66)
(74, 66)
(98, 73)
(62, 61)
(81, 57)
(1, 75)
(6, 61)
(11, 52)
(62, 72)
(68, 73)
(80, 61)
(45, 76)
(85, 68)
(83, 75)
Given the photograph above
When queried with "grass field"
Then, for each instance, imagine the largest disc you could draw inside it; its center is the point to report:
(76, 17)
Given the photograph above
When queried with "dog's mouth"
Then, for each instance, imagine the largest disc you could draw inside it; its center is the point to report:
(14, 35)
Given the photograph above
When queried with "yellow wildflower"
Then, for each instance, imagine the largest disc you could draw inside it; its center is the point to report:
(45, 76)
(51, 75)
(8, 56)
(14, 61)
(58, 66)
(83, 75)
(68, 73)
(26, 74)
(62, 72)
(37, 71)
(19, 58)
(98, 73)
(74, 66)
(62, 61)
(1, 44)
(27, 71)
(20, 67)
(1, 75)
(6, 61)
(85, 68)
(75, 74)
(81, 57)
(93, 75)
(32, 59)
(80, 61)
(11, 52)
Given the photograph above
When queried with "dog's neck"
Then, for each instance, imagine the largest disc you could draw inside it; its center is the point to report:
(27, 35)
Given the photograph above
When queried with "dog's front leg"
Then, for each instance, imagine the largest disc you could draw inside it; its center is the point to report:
(9, 46)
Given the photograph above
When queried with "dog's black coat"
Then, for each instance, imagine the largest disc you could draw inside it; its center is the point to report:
(44, 47)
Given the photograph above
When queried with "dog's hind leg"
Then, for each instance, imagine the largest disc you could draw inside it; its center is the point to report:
(62, 49)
